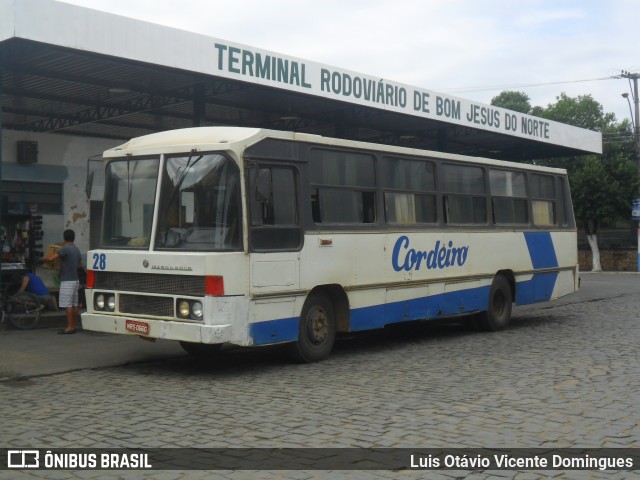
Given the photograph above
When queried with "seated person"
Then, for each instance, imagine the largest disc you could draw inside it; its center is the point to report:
(32, 283)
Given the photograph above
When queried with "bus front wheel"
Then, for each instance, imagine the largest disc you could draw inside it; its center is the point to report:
(498, 314)
(316, 331)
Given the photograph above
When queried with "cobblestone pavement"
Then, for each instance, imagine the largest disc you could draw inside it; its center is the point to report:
(564, 375)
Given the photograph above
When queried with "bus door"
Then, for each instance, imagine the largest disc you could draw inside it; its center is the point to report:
(275, 237)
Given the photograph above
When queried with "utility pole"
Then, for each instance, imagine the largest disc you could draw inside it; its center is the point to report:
(636, 137)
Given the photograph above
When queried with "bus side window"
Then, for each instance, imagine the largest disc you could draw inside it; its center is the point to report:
(464, 194)
(564, 204)
(509, 197)
(274, 209)
(543, 201)
(409, 191)
(343, 187)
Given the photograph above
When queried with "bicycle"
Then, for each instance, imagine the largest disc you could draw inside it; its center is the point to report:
(22, 310)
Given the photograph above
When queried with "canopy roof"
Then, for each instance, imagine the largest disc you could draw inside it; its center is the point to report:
(72, 70)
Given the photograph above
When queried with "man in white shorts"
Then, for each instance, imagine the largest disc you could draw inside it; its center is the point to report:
(70, 261)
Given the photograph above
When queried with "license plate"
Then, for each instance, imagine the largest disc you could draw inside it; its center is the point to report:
(141, 328)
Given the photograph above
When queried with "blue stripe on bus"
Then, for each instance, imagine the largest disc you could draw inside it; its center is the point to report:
(431, 307)
(543, 255)
(538, 289)
(541, 249)
(274, 331)
(377, 316)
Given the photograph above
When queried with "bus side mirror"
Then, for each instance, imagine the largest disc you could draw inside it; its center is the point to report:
(263, 185)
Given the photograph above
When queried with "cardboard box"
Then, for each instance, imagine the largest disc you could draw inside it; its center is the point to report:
(52, 249)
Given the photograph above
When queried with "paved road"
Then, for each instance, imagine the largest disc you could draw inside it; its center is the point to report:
(564, 375)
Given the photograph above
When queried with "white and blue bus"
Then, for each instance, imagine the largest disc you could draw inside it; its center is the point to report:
(252, 237)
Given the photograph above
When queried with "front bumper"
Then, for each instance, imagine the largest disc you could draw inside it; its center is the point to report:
(165, 329)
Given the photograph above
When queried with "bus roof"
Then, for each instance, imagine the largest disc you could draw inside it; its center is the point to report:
(189, 137)
(217, 138)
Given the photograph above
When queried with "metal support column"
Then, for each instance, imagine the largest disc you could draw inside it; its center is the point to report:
(636, 135)
(199, 105)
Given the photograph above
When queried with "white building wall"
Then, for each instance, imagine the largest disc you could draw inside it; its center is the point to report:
(71, 154)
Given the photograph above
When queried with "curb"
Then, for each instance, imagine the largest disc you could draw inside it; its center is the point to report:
(49, 320)
(609, 272)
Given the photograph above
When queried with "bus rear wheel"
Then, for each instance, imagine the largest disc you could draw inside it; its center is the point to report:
(498, 314)
(316, 331)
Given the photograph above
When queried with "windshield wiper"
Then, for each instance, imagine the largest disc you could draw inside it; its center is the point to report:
(129, 186)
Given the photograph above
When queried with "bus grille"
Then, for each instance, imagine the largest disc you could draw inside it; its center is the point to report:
(190, 285)
(143, 305)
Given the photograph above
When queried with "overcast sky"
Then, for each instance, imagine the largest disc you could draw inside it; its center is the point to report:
(473, 49)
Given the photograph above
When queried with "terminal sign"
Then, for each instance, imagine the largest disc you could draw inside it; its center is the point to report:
(268, 68)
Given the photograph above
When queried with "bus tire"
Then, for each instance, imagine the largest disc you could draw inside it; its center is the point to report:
(316, 332)
(498, 314)
(201, 351)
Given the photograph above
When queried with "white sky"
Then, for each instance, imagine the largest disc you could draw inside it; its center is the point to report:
(450, 46)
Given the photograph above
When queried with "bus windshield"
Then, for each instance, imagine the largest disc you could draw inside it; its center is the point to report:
(199, 205)
(130, 190)
(199, 208)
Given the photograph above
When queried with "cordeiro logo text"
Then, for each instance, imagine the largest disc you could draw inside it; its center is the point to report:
(443, 255)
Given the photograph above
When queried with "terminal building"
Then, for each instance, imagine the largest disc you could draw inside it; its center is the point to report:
(75, 82)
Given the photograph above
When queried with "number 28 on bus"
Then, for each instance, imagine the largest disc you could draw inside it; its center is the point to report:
(253, 237)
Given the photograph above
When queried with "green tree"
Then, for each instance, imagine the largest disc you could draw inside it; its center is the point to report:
(582, 111)
(602, 186)
(516, 101)
(601, 189)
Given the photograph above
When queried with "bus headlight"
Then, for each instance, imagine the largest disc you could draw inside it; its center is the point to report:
(111, 303)
(104, 302)
(183, 309)
(196, 310)
(99, 301)
(189, 309)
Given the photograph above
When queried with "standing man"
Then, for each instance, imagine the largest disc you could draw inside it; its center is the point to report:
(70, 260)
